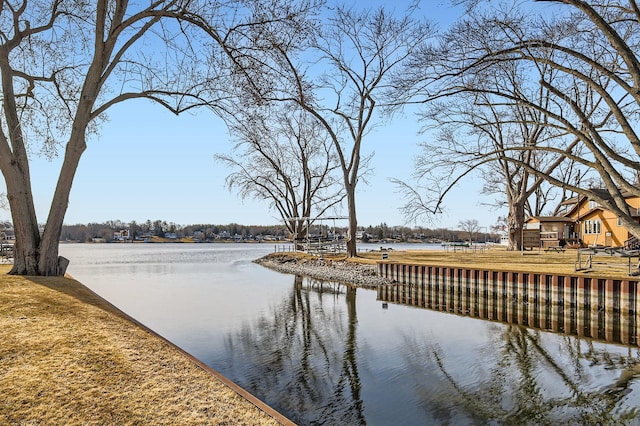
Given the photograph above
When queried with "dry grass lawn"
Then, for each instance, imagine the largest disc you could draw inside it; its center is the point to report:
(499, 259)
(68, 357)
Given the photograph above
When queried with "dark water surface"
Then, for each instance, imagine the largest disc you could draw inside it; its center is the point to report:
(325, 353)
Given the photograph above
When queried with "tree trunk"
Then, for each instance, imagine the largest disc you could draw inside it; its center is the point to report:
(14, 163)
(26, 251)
(515, 224)
(49, 260)
(300, 234)
(352, 249)
(33, 254)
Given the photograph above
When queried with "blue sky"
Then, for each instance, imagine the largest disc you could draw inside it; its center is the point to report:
(149, 164)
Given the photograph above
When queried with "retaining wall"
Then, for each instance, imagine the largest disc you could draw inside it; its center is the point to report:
(594, 307)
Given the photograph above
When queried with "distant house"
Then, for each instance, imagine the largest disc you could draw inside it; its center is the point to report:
(121, 235)
(146, 236)
(7, 234)
(584, 221)
(363, 235)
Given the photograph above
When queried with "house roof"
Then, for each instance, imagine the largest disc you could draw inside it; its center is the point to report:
(576, 201)
(550, 218)
(603, 193)
(590, 213)
(570, 201)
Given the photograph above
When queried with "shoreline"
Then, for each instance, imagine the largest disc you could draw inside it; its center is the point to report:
(363, 270)
(215, 375)
(355, 273)
(70, 357)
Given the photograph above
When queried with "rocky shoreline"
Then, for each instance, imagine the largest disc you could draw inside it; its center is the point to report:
(359, 274)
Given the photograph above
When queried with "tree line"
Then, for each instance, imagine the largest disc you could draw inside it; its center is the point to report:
(159, 228)
(108, 231)
(540, 99)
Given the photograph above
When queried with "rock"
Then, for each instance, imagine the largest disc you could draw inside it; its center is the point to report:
(332, 270)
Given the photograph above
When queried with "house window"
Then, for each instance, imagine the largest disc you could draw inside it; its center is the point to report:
(592, 226)
(619, 222)
(593, 204)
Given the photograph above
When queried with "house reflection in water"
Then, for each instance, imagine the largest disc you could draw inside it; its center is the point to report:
(602, 309)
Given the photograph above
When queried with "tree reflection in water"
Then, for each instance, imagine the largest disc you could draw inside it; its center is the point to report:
(304, 355)
(527, 384)
(304, 358)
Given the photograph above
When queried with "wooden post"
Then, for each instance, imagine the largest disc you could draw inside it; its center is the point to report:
(519, 297)
(625, 305)
(532, 299)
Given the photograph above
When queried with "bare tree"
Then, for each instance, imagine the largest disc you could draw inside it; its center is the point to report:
(476, 132)
(341, 75)
(470, 226)
(284, 156)
(64, 64)
(585, 59)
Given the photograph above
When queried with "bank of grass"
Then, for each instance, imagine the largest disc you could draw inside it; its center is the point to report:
(497, 258)
(68, 357)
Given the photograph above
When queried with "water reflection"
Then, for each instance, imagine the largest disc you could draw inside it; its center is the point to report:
(303, 355)
(528, 383)
(325, 353)
(306, 356)
(524, 397)
(580, 314)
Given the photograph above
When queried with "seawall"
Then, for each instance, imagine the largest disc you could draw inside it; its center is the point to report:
(595, 307)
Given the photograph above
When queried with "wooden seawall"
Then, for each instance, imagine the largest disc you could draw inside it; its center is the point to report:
(600, 308)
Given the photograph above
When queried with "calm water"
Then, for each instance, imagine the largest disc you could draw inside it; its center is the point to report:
(324, 353)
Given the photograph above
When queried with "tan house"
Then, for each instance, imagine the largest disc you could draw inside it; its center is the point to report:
(584, 221)
(599, 226)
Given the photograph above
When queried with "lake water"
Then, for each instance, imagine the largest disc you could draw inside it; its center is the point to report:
(329, 354)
